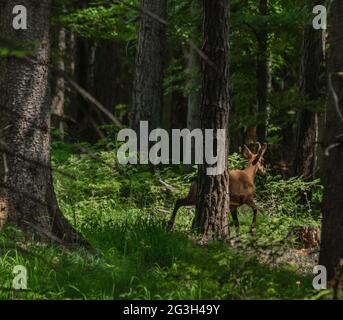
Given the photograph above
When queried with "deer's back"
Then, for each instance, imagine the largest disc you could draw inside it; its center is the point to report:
(241, 187)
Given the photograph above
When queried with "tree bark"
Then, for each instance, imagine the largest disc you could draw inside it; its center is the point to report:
(194, 97)
(263, 76)
(194, 82)
(58, 101)
(27, 196)
(148, 86)
(331, 253)
(213, 192)
(307, 122)
(85, 69)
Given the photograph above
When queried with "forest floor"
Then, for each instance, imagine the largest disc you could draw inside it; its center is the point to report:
(123, 211)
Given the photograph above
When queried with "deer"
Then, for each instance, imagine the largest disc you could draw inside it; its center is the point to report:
(241, 188)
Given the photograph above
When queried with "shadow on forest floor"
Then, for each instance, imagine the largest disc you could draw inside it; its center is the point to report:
(123, 214)
(142, 261)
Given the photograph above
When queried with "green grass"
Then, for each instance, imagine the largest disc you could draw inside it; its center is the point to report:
(141, 261)
(123, 213)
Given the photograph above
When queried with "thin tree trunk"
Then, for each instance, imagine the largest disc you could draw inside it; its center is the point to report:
(331, 253)
(213, 193)
(307, 123)
(58, 101)
(112, 74)
(148, 86)
(194, 97)
(194, 83)
(263, 74)
(26, 190)
(86, 50)
(71, 97)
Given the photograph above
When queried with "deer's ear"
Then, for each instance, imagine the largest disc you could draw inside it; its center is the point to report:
(247, 154)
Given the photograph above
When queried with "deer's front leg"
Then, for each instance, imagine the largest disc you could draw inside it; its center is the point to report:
(253, 206)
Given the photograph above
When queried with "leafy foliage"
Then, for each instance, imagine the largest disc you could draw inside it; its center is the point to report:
(103, 19)
(10, 49)
(123, 210)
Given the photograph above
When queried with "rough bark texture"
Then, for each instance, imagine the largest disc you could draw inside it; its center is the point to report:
(147, 88)
(262, 74)
(26, 189)
(332, 231)
(213, 193)
(307, 123)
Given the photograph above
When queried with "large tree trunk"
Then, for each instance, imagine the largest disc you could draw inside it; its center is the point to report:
(307, 123)
(213, 192)
(148, 86)
(26, 190)
(263, 75)
(332, 232)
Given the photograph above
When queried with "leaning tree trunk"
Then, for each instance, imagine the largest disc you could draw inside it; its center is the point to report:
(27, 196)
(307, 122)
(213, 192)
(147, 87)
(331, 253)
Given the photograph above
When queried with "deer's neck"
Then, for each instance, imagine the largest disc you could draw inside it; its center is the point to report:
(251, 171)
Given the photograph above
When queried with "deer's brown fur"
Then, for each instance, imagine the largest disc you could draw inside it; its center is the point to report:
(242, 187)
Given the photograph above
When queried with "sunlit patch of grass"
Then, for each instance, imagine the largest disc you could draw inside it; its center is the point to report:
(123, 214)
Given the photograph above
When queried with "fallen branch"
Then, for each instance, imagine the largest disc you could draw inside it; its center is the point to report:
(170, 187)
(86, 95)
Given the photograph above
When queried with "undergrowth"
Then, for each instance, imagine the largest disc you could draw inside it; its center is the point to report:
(123, 210)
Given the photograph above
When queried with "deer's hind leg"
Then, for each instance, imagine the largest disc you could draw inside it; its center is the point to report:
(189, 201)
(234, 216)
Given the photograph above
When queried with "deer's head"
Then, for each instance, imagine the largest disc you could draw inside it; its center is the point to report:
(256, 159)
